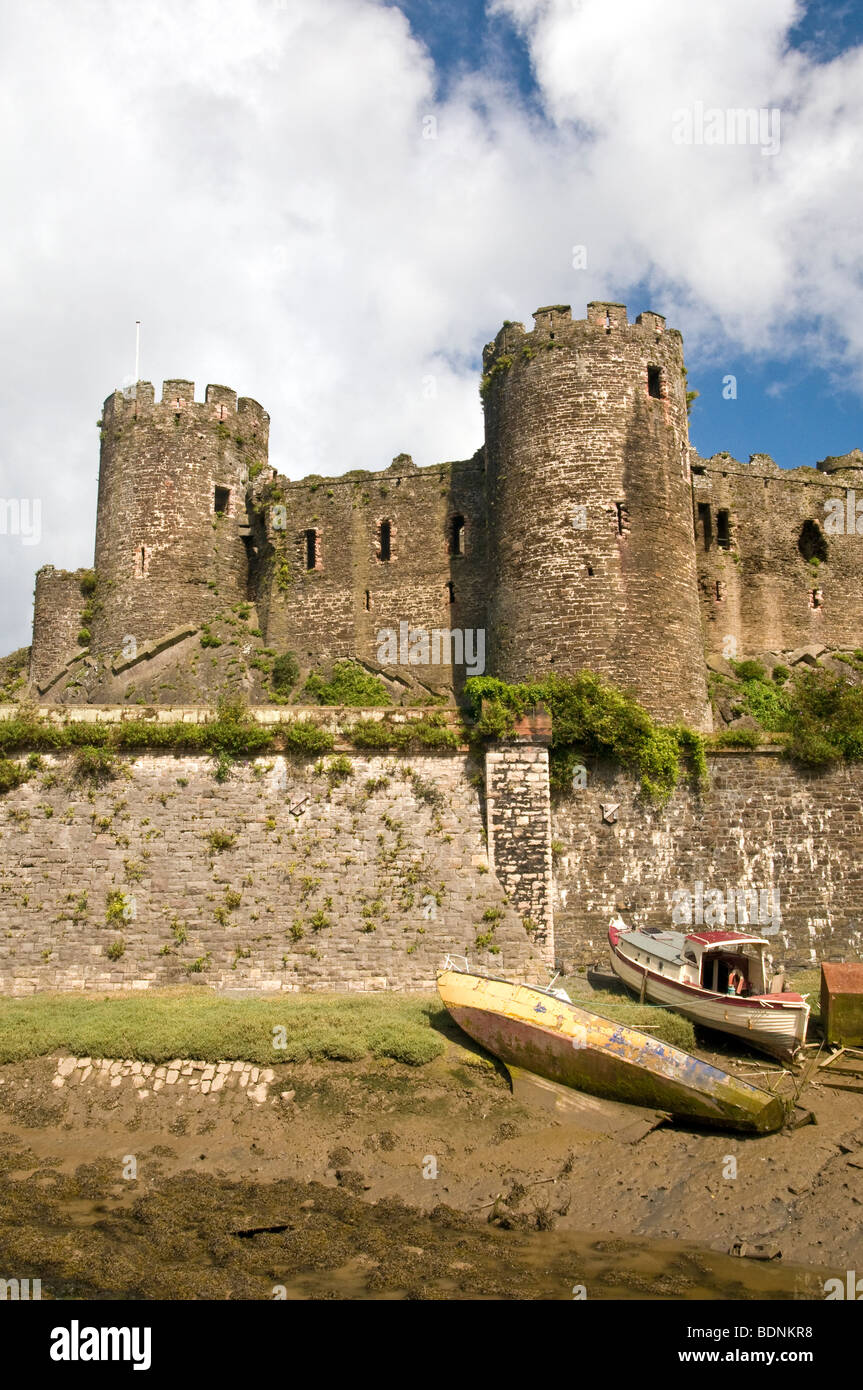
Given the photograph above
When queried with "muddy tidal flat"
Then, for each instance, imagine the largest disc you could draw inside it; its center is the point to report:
(377, 1180)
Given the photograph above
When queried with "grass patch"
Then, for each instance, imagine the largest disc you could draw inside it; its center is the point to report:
(189, 1022)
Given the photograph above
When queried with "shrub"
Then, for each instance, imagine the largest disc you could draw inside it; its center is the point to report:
(219, 840)
(348, 684)
(286, 673)
(94, 764)
(116, 949)
(305, 737)
(748, 670)
(116, 906)
(11, 775)
(826, 720)
(738, 738)
(430, 732)
(588, 716)
(337, 770)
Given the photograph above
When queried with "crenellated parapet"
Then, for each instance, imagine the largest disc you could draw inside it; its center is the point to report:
(220, 405)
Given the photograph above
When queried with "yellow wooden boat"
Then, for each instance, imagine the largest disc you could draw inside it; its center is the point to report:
(544, 1033)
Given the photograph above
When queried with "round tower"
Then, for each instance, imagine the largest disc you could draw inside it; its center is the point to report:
(592, 548)
(171, 521)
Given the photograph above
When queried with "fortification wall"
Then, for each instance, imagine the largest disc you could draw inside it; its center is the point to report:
(343, 559)
(57, 608)
(764, 824)
(761, 582)
(171, 509)
(591, 540)
(360, 885)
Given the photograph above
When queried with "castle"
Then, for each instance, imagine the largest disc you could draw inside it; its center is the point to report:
(585, 533)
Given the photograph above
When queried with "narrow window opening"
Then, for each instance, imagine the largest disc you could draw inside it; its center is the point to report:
(607, 321)
(622, 516)
(590, 571)
(811, 542)
(221, 500)
(816, 598)
(654, 382)
(311, 542)
(385, 536)
(723, 530)
(450, 592)
(142, 562)
(456, 540)
(368, 601)
(719, 591)
(705, 522)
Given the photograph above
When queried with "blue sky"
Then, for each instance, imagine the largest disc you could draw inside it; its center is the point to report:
(785, 405)
(331, 205)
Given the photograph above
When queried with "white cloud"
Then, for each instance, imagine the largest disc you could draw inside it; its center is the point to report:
(252, 181)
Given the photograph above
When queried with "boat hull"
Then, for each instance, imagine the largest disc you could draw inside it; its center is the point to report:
(531, 1029)
(768, 1023)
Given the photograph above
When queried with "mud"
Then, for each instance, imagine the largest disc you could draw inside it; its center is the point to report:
(377, 1180)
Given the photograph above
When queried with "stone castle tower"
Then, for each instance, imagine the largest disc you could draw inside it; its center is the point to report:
(590, 521)
(171, 511)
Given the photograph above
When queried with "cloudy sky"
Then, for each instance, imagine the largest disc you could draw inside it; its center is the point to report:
(332, 204)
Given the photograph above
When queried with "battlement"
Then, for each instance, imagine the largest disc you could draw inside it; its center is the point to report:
(178, 398)
(841, 463)
(554, 323)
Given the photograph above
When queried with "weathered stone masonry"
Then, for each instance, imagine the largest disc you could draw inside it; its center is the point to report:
(519, 834)
(272, 880)
(763, 824)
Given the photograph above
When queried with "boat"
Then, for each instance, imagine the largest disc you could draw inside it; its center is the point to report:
(538, 1030)
(719, 979)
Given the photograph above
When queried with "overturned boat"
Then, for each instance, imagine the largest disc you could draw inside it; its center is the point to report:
(720, 979)
(543, 1032)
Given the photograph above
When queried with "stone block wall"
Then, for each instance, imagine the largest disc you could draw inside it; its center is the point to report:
(764, 824)
(280, 878)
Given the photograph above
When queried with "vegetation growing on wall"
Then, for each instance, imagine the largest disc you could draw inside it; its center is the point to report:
(589, 716)
(349, 684)
(501, 365)
(231, 735)
(814, 712)
(432, 731)
(286, 673)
